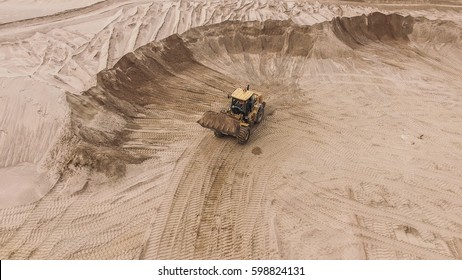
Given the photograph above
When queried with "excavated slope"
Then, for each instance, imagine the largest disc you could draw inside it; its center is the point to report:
(358, 156)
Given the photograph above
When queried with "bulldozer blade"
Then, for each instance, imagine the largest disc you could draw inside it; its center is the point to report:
(220, 122)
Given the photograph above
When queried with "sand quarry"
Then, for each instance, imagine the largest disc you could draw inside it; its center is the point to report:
(359, 155)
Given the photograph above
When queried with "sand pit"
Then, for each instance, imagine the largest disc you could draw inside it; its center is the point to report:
(358, 156)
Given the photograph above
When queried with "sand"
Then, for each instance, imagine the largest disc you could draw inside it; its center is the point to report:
(358, 156)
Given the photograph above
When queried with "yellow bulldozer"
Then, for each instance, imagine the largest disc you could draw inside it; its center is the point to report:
(246, 109)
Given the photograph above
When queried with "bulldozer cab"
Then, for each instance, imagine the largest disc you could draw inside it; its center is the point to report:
(239, 106)
(242, 101)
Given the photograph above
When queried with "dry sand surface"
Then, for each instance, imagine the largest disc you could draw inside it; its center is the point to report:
(359, 155)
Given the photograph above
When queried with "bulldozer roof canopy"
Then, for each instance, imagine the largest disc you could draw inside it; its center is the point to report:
(241, 94)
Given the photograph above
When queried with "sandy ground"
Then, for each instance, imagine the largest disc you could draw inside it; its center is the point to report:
(359, 155)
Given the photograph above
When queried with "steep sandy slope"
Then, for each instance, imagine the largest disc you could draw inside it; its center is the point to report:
(358, 157)
(32, 118)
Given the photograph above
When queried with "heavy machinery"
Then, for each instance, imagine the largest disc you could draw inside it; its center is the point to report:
(246, 109)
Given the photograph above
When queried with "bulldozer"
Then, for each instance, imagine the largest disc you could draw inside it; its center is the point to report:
(246, 109)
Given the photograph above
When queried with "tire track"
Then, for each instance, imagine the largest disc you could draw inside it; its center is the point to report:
(331, 199)
(12, 248)
(366, 235)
